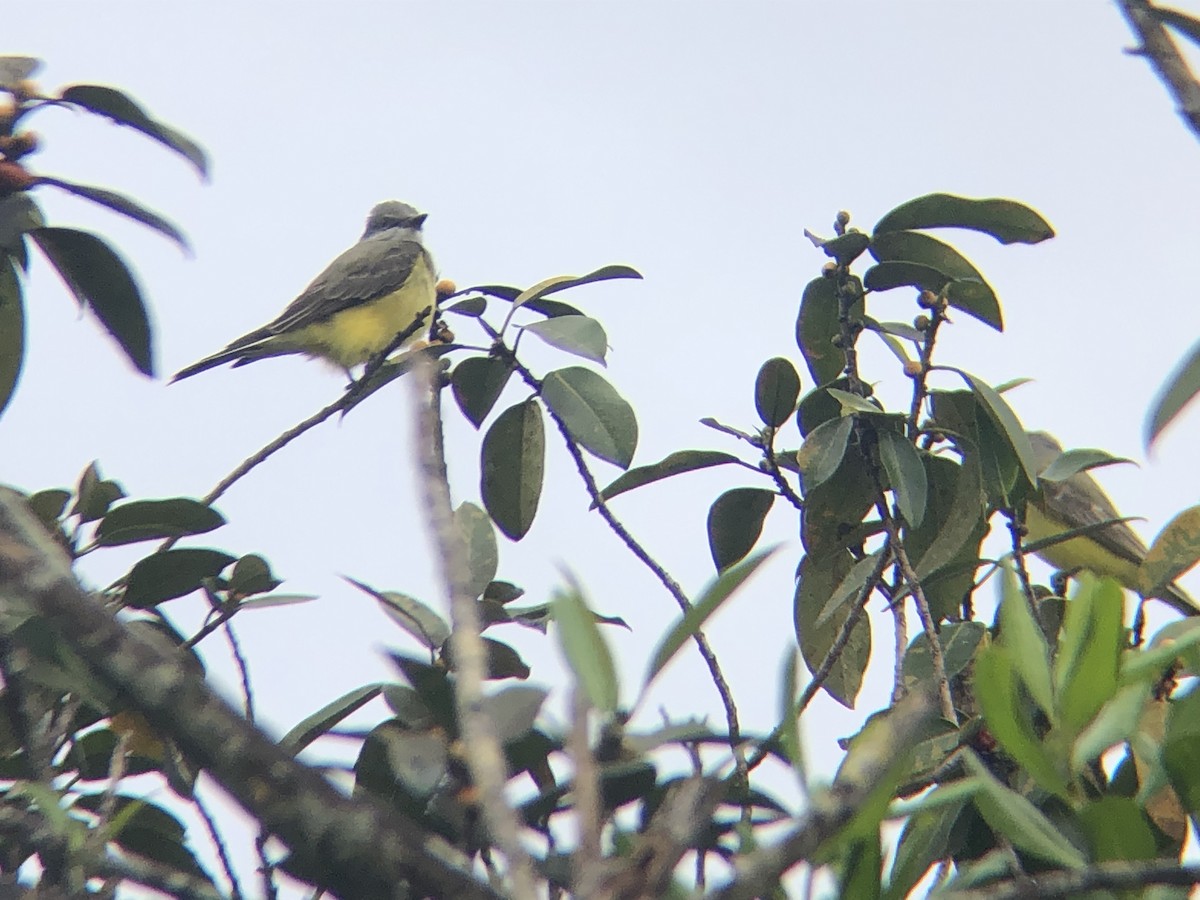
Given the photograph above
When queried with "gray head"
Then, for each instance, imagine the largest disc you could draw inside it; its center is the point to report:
(393, 214)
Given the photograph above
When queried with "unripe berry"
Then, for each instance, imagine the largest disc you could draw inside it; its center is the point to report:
(928, 300)
(445, 288)
(912, 368)
(829, 269)
(921, 323)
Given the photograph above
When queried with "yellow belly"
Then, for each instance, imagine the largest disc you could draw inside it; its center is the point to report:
(1080, 552)
(353, 336)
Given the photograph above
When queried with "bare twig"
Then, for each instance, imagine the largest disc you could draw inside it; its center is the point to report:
(1016, 529)
(772, 467)
(1121, 875)
(218, 842)
(1164, 56)
(485, 757)
(937, 316)
(900, 626)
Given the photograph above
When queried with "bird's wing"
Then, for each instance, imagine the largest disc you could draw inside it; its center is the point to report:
(1081, 501)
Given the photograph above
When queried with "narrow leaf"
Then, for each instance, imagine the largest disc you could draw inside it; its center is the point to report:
(513, 457)
(1009, 425)
(1179, 390)
(1072, 462)
(580, 335)
(1006, 220)
(593, 412)
(906, 475)
(675, 464)
(822, 452)
(146, 520)
(410, 614)
(886, 276)
(327, 717)
(735, 521)
(585, 650)
(514, 710)
(565, 282)
(127, 206)
(12, 330)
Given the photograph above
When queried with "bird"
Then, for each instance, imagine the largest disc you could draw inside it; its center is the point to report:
(1114, 550)
(356, 307)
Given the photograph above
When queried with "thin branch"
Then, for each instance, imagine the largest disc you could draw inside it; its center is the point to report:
(218, 842)
(772, 467)
(1164, 56)
(900, 626)
(921, 379)
(485, 756)
(1108, 876)
(1016, 530)
(586, 860)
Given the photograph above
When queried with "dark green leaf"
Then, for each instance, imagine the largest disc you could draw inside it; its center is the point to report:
(959, 642)
(92, 756)
(924, 841)
(823, 450)
(49, 505)
(1009, 426)
(408, 706)
(1006, 220)
(410, 614)
(580, 335)
(552, 309)
(1174, 551)
(327, 717)
(515, 709)
(849, 589)
(127, 206)
(483, 557)
(565, 282)
(818, 579)
(511, 468)
(885, 276)
(834, 509)
(94, 495)
(906, 475)
(735, 521)
(477, 383)
(18, 216)
(675, 464)
(594, 413)
(12, 330)
(1176, 393)
(433, 687)
(149, 831)
(776, 390)
(123, 110)
(710, 600)
(470, 306)
(100, 280)
(147, 520)
(816, 327)
(846, 248)
(1073, 462)
(585, 649)
(503, 592)
(252, 575)
(172, 573)
(502, 660)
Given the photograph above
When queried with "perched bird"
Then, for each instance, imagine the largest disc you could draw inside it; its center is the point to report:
(1114, 550)
(357, 306)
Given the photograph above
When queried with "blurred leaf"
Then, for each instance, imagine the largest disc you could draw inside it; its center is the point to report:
(1186, 25)
(1089, 652)
(580, 335)
(710, 600)
(147, 520)
(410, 614)
(789, 722)
(511, 469)
(924, 840)
(968, 291)
(325, 718)
(823, 450)
(585, 649)
(851, 402)
(123, 110)
(735, 521)
(483, 557)
(1006, 220)
(12, 330)
(503, 592)
(149, 831)
(1117, 829)
(1074, 461)
(418, 759)
(834, 509)
(408, 706)
(18, 216)
(906, 475)
(846, 248)
(91, 756)
(888, 275)
(14, 69)
(674, 464)
(127, 206)
(1174, 551)
(816, 327)
(1115, 723)
(502, 660)
(818, 579)
(477, 383)
(776, 390)
(433, 687)
(252, 575)
(849, 588)
(1177, 392)
(94, 495)
(514, 710)
(469, 306)
(899, 329)
(594, 413)
(1023, 635)
(99, 279)
(1181, 749)
(565, 282)
(959, 642)
(49, 505)
(267, 601)
(172, 573)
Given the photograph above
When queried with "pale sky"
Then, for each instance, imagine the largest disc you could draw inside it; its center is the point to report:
(694, 142)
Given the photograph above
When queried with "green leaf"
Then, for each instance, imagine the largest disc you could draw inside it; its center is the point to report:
(477, 383)
(474, 307)
(888, 275)
(410, 614)
(710, 600)
(18, 216)
(846, 248)
(503, 592)
(1117, 829)
(94, 495)
(127, 206)
(1007, 221)
(502, 660)
(49, 505)
(817, 325)
(849, 588)
(1089, 652)
(483, 556)
(1114, 724)
(585, 650)
(150, 520)
(172, 573)
(1014, 817)
(416, 759)
(1181, 749)
(122, 109)
(1009, 425)
(565, 282)
(854, 403)
(252, 575)
(1174, 551)
(1022, 634)
(776, 390)
(1180, 389)
(818, 579)
(593, 412)
(511, 468)
(675, 464)
(789, 722)
(823, 451)
(12, 330)
(99, 279)
(959, 642)
(327, 717)
(924, 841)
(735, 521)
(580, 335)
(834, 509)
(906, 475)
(514, 710)
(433, 688)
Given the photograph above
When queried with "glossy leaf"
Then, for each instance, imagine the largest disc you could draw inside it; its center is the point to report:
(172, 573)
(100, 280)
(580, 335)
(816, 327)
(123, 110)
(674, 464)
(511, 468)
(818, 580)
(126, 206)
(1007, 221)
(735, 521)
(325, 718)
(483, 556)
(411, 614)
(593, 412)
(776, 390)
(711, 598)
(585, 650)
(147, 520)
(1179, 390)
(477, 383)
(906, 475)
(12, 330)
(823, 450)
(1174, 551)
